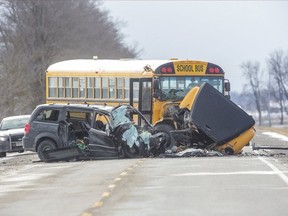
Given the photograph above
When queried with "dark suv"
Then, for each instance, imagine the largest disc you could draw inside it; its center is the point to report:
(106, 131)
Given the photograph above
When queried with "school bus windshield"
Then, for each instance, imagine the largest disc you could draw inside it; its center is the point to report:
(175, 88)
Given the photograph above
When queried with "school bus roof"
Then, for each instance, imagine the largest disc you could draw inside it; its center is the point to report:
(104, 66)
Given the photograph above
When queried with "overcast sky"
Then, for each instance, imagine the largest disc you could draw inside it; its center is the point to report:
(226, 33)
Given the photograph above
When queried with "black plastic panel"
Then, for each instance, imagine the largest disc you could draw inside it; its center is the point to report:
(218, 117)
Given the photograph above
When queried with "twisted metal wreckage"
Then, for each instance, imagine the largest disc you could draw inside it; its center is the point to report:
(210, 125)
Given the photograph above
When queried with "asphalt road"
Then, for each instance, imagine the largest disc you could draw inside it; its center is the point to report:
(251, 184)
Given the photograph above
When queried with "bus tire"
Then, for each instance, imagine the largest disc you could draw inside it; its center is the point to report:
(166, 128)
(43, 146)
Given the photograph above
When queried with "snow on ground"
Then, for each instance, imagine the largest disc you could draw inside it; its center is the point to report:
(276, 135)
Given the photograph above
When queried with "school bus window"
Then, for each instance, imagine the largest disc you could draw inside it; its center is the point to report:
(52, 82)
(165, 84)
(97, 87)
(89, 87)
(146, 96)
(191, 82)
(68, 87)
(136, 91)
(111, 87)
(82, 85)
(217, 84)
(126, 88)
(172, 88)
(173, 83)
(60, 87)
(105, 87)
(119, 89)
(181, 83)
(75, 86)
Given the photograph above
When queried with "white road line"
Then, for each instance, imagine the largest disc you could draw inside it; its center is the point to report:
(275, 169)
(228, 173)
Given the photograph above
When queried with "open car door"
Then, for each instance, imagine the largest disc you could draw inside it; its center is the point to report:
(101, 141)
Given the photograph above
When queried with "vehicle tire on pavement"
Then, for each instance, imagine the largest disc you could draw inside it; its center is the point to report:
(2, 154)
(165, 128)
(44, 146)
(130, 152)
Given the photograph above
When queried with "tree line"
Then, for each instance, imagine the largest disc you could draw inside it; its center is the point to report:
(267, 88)
(36, 33)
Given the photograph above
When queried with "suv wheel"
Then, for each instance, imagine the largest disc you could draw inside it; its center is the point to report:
(44, 146)
(2, 154)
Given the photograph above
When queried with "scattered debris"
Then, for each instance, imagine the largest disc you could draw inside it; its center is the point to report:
(192, 152)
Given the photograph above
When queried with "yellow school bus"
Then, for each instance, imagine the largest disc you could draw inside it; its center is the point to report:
(151, 86)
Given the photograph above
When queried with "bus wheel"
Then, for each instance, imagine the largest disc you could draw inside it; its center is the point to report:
(44, 146)
(165, 128)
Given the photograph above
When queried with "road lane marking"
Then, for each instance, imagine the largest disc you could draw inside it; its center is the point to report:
(86, 214)
(111, 186)
(117, 179)
(123, 173)
(105, 195)
(275, 169)
(229, 173)
(98, 204)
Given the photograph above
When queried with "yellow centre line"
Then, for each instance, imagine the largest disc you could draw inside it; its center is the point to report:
(107, 194)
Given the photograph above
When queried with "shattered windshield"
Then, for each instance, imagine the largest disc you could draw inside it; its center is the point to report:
(119, 116)
(175, 88)
(123, 115)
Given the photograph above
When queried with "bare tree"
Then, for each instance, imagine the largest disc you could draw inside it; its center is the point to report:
(252, 73)
(36, 33)
(278, 71)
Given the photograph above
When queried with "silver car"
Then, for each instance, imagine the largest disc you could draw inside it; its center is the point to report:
(11, 134)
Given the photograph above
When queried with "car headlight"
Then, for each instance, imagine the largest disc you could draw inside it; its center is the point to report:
(2, 139)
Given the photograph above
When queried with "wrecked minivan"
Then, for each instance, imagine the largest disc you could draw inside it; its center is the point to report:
(58, 132)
